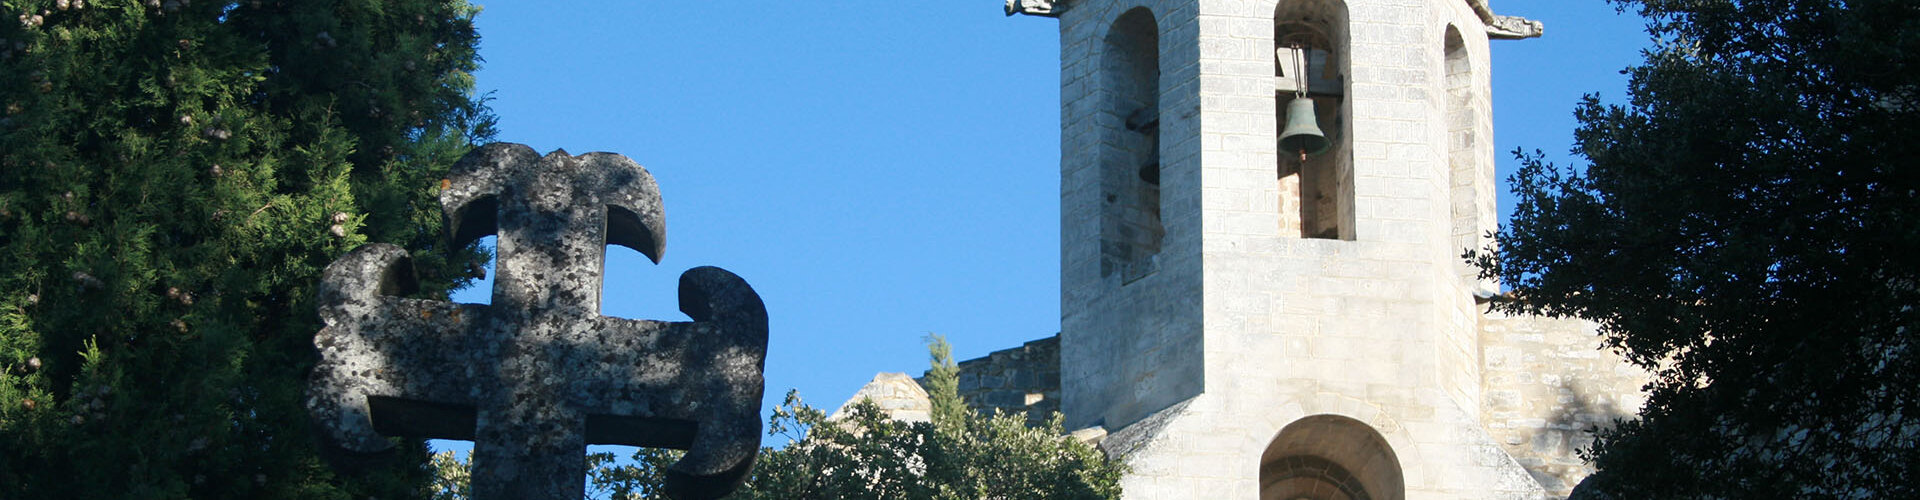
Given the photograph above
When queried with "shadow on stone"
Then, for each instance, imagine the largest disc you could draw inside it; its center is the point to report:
(1558, 446)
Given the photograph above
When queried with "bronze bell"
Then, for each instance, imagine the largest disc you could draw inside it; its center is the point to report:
(1303, 135)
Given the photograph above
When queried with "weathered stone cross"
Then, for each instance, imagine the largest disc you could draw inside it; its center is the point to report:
(539, 374)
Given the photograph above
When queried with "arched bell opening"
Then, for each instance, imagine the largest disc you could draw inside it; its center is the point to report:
(1315, 177)
(1330, 457)
(1130, 228)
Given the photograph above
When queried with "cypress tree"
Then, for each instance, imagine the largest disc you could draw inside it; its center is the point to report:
(174, 174)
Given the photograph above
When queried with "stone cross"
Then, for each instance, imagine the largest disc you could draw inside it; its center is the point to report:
(539, 374)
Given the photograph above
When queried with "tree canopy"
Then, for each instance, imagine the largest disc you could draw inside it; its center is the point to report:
(173, 177)
(1747, 227)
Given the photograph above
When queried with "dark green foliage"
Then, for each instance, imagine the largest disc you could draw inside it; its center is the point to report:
(866, 455)
(1748, 228)
(173, 176)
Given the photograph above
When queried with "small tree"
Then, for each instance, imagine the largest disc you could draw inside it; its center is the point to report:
(1747, 228)
(943, 382)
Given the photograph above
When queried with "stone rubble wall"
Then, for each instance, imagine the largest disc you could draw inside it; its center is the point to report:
(1549, 382)
(1021, 380)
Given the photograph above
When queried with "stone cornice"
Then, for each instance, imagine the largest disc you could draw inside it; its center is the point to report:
(1042, 8)
(1505, 27)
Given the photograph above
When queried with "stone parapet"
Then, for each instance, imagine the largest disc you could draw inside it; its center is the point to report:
(1021, 380)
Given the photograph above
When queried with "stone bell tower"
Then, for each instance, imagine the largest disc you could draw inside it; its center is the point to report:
(1246, 323)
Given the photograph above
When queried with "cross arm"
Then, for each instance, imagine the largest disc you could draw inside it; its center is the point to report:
(390, 365)
(636, 216)
(688, 385)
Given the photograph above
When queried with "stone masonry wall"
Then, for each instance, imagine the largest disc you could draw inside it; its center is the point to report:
(1548, 383)
(1135, 337)
(1021, 380)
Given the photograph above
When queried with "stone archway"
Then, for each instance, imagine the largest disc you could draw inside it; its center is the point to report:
(1330, 457)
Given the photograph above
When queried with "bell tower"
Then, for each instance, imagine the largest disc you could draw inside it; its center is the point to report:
(1252, 321)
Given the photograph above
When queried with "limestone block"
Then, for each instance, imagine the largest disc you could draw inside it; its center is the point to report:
(1548, 385)
(896, 393)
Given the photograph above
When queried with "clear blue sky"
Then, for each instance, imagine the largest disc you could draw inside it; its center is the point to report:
(879, 170)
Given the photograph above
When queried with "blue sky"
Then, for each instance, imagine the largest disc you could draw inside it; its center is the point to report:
(877, 170)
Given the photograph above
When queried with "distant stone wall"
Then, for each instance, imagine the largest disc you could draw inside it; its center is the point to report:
(1548, 383)
(900, 396)
(1021, 380)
